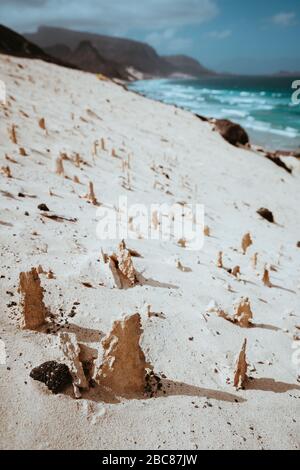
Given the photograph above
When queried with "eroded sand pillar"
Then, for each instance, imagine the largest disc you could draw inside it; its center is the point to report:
(123, 369)
(32, 304)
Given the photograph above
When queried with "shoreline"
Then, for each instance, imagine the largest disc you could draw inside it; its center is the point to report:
(255, 134)
(275, 153)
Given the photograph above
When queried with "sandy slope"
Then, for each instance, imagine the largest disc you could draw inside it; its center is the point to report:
(195, 351)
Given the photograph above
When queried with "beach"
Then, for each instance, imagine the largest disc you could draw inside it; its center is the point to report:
(150, 153)
(263, 105)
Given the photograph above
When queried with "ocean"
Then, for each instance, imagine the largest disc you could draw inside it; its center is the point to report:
(262, 105)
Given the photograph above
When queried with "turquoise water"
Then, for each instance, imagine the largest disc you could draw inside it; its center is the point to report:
(262, 105)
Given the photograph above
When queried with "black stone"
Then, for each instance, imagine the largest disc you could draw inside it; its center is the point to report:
(266, 214)
(54, 375)
(232, 132)
(278, 162)
(43, 207)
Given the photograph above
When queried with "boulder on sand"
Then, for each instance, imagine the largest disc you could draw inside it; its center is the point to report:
(266, 214)
(232, 132)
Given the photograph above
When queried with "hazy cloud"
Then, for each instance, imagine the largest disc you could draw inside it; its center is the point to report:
(169, 41)
(111, 16)
(226, 33)
(25, 3)
(283, 18)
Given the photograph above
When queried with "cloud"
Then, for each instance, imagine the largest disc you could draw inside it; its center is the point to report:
(283, 19)
(26, 3)
(111, 16)
(168, 41)
(226, 33)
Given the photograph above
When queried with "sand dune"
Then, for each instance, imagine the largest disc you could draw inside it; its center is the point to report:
(62, 130)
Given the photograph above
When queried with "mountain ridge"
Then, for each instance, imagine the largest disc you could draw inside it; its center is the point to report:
(14, 44)
(188, 65)
(87, 58)
(128, 53)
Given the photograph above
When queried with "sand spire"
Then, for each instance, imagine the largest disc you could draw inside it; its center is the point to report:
(32, 304)
(124, 366)
(243, 314)
(246, 242)
(240, 373)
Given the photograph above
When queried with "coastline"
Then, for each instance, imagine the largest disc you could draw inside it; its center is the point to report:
(152, 153)
(258, 103)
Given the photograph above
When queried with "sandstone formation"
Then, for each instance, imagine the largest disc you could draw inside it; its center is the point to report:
(124, 367)
(254, 260)
(206, 231)
(71, 351)
(90, 196)
(59, 167)
(243, 314)
(266, 278)
(240, 373)
(125, 264)
(32, 304)
(42, 124)
(121, 266)
(246, 242)
(220, 259)
(5, 170)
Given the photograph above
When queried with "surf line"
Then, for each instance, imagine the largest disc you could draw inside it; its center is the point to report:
(114, 460)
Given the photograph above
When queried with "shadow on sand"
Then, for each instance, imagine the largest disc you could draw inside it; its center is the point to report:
(153, 283)
(270, 385)
(264, 326)
(169, 389)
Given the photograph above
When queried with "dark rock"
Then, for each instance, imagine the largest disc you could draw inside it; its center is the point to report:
(113, 50)
(87, 57)
(202, 118)
(43, 207)
(12, 43)
(87, 284)
(153, 383)
(278, 162)
(56, 376)
(232, 132)
(266, 214)
(118, 54)
(298, 245)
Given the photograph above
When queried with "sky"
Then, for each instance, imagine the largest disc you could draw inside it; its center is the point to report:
(249, 36)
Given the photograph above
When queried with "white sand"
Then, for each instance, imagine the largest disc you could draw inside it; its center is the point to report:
(232, 183)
